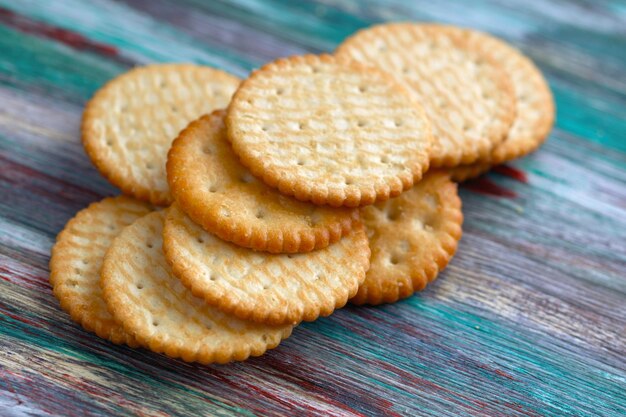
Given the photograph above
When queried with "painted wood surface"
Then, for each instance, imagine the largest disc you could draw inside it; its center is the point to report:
(528, 320)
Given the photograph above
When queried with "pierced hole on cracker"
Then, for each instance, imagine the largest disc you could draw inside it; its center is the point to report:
(140, 286)
(85, 261)
(280, 91)
(77, 271)
(384, 159)
(212, 278)
(394, 260)
(155, 323)
(266, 286)
(149, 166)
(265, 128)
(362, 89)
(260, 214)
(174, 109)
(361, 123)
(207, 150)
(348, 181)
(398, 123)
(301, 126)
(149, 245)
(316, 69)
(200, 240)
(246, 178)
(212, 189)
(265, 338)
(300, 162)
(393, 213)
(109, 142)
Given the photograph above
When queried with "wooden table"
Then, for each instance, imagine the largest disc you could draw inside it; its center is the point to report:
(529, 319)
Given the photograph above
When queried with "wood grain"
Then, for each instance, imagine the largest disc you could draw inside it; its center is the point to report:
(529, 318)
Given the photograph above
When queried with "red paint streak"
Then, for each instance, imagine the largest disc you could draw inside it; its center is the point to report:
(424, 384)
(23, 278)
(298, 368)
(484, 185)
(22, 319)
(39, 183)
(504, 374)
(9, 385)
(511, 172)
(64, 36)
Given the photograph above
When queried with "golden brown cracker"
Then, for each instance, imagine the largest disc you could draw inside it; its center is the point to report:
(329, 131)
(129, 124)
(465, 93)
(217, 192)
(263, 287)
(77, 257)
(152, 304)
(534, 101)
(412, 237)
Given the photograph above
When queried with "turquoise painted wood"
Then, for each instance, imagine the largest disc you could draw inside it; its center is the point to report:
(528, 320)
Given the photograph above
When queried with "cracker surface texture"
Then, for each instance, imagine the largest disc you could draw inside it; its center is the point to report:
(129, 124)
(263, 287)
(534, 101)
(211, 186)
(153, 305)
(412, 237)
(329, 130)
(467, 96)
(77, 258)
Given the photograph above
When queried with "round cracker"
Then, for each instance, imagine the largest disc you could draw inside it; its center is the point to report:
(263, 287)
(77, 257)
(535, 104)
(329, 131)
(129, 124)
(412, 237)
(465, 93)
(217, 192)
(151, 304)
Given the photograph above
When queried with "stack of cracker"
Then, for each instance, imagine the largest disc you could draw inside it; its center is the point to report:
(290, 193)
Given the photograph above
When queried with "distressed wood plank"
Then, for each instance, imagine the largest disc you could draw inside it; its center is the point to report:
(529, 319)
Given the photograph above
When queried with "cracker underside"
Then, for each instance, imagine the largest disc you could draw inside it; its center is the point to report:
(77, 257)
(270, 288)
(467, 172)
(212, 187)
(153, 305)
